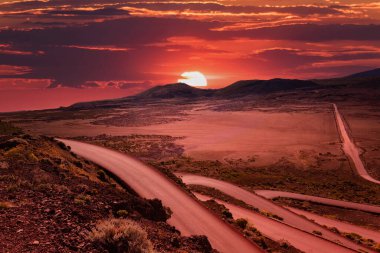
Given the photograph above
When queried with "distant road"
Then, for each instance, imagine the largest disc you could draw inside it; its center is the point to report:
(189, 216)
(279, 231)
(341, 226)
(350, 148)
(289, 218)
(331, 202)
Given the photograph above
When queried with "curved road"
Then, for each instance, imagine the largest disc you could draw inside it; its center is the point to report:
(341, 226)
(350, 148)
(254, 200)
(189, 216)
(279, 231)
(331, 202)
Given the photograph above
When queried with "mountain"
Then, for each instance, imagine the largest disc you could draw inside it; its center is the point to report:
(253, 87)
(367, 80)
(366, 74)
(176, 90)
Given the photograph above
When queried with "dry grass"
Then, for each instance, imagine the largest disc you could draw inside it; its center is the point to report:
(121, 235)
(6, 205)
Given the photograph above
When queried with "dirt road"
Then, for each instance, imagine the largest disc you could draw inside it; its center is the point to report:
(350, 148)
(331, 202)
(281, 232)
(263, 204)
(341, 226)
(189, 216)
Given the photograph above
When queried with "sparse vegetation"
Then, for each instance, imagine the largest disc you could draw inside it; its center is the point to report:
(122, 213)
(242, 223)
(102, 176)
(271, 215)
(61, 197)
(82, 199)
(6, 204)
(7, 128)
(121, 236)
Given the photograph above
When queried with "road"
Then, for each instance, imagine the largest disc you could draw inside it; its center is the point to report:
(350, 149)
(278, 231)
(254, 200)
(189, 216)
(331, 202)
(341, 226)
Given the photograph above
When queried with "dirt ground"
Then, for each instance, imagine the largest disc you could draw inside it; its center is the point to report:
(264, 134)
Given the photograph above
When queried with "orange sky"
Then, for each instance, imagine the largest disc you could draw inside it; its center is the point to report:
(54, 53)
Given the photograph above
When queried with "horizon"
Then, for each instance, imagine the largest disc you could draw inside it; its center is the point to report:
(103, 50)
(148, 88)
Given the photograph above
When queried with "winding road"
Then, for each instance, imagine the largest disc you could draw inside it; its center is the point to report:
(290, 218)
(341, 226)
(189, 216)
(279, 231)
(350, 148)
(330, 202)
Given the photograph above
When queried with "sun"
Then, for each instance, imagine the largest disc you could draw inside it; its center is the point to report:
(193, 78)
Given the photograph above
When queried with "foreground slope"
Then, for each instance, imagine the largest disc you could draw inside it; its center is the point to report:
(50, 199)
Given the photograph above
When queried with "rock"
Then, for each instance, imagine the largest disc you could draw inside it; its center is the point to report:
(4, 165)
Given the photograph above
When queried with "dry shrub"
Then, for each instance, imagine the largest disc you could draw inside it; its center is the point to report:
(121, 236)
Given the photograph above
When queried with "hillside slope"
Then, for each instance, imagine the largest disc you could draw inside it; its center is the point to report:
(50, 200)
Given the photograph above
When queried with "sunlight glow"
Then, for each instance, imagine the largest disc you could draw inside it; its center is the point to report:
(193, 78)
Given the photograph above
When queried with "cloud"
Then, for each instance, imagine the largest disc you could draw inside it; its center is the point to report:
(312, 32)
(96, 12)
(138, 49)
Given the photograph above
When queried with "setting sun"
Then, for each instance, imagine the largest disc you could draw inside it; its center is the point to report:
(194, 78)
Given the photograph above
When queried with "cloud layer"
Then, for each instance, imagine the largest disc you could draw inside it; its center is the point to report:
(136, 44)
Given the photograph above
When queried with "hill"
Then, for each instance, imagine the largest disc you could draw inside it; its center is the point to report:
(50, 200)
(367, 80)
(366, 74)
(176, 90)
(257, 87)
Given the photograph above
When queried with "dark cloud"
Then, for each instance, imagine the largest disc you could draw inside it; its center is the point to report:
(212, 7)
(98, 12)
(313, 32)
(65, 59)
(301, 10)
(130, 31)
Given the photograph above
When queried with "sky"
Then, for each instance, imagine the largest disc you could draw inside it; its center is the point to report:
(57, 52)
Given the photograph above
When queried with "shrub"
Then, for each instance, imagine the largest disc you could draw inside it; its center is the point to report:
(63, 146)
(32, 157)
(82, 199)
(6, 205)
(121, 236)
(122, 213)
(227, 214)
(7, 128)
(242, 223)
(102, 176)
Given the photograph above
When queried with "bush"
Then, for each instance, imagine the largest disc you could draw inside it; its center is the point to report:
(63, 146)
(82, 199)
(122, 213)
(242, 223)
(102, 176)
(227, 214)
(121, 236)
(6, 205)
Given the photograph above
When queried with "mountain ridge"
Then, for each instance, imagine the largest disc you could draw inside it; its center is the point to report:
(242, 88)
